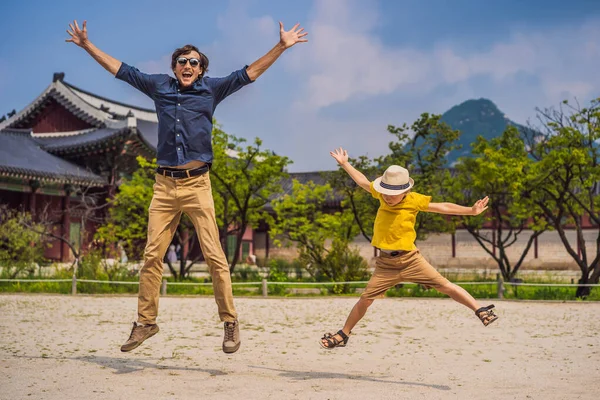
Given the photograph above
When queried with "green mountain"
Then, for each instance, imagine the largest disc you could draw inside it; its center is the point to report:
(474, 118)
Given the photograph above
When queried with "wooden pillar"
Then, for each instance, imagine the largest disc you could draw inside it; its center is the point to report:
(267, 239)
(65, 225)
(453, 244)
(494, 241)
(35, 185)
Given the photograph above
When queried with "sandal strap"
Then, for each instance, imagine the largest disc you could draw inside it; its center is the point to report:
(343, 335)
(332, 342)
(483, 309)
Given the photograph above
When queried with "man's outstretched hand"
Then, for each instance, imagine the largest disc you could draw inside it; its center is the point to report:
(291, 37)
(78, 36)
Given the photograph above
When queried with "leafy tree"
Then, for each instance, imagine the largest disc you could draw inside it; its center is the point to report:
(499, 170)
(322, 238)
(566, 178)
(245, 179)
(20, 248)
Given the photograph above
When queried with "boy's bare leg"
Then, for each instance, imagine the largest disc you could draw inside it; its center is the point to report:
(358, 312)
(459, 294)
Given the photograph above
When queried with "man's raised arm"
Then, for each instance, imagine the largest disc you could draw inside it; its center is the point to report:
(80, 38)
(286, 40)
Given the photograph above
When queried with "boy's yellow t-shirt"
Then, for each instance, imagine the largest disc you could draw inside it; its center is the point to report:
(394, 227)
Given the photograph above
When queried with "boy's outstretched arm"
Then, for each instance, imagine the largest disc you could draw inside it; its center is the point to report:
(341, 156)
(454, 209)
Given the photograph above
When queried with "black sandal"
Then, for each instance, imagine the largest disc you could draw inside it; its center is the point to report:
(486, 315)
(332, 341)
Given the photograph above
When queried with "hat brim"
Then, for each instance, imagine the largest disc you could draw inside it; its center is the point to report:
(392, 192)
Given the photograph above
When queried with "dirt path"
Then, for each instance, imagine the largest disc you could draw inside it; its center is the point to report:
(63, 347)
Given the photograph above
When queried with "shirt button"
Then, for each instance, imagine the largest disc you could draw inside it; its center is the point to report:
(178, 135)
(179, 148)
(177, 119)
(178, 104)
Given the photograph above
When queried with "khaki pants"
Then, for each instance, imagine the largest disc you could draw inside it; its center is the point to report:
(172, 197)
(409, 266)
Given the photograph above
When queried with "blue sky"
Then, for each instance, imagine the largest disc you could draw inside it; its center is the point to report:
(367, 64)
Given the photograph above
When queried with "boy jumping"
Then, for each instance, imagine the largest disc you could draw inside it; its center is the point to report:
(394, 235)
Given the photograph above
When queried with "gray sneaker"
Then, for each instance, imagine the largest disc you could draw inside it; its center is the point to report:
(231, 340)
(139, 333)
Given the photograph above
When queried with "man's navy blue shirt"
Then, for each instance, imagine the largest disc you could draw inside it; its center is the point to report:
(184, 115)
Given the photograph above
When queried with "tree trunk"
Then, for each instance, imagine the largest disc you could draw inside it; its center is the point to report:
(582, 291)
(238, 247)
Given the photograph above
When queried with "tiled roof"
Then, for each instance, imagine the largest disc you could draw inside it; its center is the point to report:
(78, 141)
(111, 106)
(21, 156)
(65, 97)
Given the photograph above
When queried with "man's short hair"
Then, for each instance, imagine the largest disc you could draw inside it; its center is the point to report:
(185, 50)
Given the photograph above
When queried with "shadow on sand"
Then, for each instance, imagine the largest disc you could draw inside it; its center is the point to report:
(129, 365)
(305, 375)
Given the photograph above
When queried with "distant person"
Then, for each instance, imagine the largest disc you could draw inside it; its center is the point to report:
(178, 251)
(122, 253)
(184, 106)
(171, 255)
(394, 234)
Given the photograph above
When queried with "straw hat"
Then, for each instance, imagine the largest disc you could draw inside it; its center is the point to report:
(395, 180)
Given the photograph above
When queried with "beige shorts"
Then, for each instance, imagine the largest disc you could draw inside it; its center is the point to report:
(409, 266)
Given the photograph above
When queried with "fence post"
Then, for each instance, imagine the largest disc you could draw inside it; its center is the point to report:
(163, 287)
(74, 285)
(500, 284)
(264, 288)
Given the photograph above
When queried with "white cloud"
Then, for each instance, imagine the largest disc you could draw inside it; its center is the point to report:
(349, 63)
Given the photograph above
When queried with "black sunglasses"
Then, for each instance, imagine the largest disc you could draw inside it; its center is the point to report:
(194, 62)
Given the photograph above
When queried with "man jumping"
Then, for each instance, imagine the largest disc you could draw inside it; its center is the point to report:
(184, 106)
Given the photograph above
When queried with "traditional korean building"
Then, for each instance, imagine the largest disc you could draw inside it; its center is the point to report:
(66, 138)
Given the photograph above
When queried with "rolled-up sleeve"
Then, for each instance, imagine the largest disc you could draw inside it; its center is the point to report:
(223, 87)
(145, 83)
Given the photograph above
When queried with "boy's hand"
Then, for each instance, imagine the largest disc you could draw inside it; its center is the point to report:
(480, 205)
(340, 155)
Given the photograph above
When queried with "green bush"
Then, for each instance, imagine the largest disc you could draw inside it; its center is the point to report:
(21, 248)
(342, 264)
(246, 274)
(278, 272)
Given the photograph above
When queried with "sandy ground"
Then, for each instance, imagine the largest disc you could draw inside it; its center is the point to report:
(64, 347)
